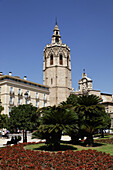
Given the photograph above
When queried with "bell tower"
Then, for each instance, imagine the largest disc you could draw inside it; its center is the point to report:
(57, 68)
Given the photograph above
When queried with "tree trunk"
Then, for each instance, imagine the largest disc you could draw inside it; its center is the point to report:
(89, 140)
(24, 136)
(102, 133)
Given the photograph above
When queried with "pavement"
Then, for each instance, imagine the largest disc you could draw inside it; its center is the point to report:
(3, 141)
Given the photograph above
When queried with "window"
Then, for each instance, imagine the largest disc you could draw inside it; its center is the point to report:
(51, 60)
(44, 96)
(57, 39)
(9, 110)
(19, 101)
(56, 32)
(51, 81)
(37, 95)
(44, 104)
(11, 100)
(27, 101)
(61, 59)
(19, 91)
(11, 90)
(36, 103)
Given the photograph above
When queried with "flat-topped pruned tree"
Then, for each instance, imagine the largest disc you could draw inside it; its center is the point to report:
(23, 117)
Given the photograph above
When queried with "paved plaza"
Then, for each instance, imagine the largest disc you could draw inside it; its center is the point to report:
(3, 141)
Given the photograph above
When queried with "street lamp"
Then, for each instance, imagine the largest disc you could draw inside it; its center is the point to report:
(26, 96)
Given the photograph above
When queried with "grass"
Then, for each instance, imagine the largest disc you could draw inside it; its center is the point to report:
(105, 136)
(107, 148)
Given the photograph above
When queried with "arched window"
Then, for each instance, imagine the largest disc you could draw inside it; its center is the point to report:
(56, 39)
(51, 60)
(61, 59)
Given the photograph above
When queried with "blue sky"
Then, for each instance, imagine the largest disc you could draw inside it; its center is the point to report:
(86, 26)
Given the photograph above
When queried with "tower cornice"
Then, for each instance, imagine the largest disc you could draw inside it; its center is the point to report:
(56, 45)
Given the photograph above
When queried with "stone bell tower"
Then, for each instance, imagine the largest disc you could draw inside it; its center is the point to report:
(57, 68)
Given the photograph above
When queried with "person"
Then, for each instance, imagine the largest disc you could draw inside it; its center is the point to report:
(3, 133)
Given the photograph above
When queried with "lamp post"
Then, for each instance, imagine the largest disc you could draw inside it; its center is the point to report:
(25, 131)
(26, 96)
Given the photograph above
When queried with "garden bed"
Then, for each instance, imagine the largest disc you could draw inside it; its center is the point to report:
(16, 157)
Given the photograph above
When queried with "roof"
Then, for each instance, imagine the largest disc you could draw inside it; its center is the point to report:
(17, 79)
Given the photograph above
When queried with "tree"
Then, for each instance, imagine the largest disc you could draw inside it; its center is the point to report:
(54, 120)
(23, 117)
(1, 109)
(91, 115)
(3, 119)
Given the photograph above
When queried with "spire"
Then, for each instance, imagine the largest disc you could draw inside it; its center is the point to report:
(56, 38)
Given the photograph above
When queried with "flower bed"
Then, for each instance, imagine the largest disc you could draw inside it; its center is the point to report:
(16, 157)
(108, 141)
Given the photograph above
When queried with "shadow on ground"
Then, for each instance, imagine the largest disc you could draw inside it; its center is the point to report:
(82, 143)
(63, 147)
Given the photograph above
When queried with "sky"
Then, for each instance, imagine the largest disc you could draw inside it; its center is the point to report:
(86, 26)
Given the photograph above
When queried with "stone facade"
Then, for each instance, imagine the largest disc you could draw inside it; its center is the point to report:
(57, 69)
(13, 91)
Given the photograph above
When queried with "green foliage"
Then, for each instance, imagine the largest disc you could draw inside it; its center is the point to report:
(92, 115)
(3, 121)
(1, 109)
(54, 120)
(23, 117)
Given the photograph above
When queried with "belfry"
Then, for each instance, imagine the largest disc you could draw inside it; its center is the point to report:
(57, 68)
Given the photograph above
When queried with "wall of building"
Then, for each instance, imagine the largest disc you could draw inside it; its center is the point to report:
(10, 95)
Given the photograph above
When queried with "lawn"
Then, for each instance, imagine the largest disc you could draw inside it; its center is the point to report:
(103, 147)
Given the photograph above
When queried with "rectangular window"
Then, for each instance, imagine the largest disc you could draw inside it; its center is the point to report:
(11, 100)
(9, 109)
(36, 103)
(44, 105)
(27, 101)
(44, 96)
(19, 91)
(11, 89)
(37, 95)
(19, 101)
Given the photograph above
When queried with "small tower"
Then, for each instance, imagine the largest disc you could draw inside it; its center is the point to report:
(85, 84)
(57, 68)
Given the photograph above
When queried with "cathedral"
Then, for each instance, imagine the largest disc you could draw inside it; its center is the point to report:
(56, 86)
